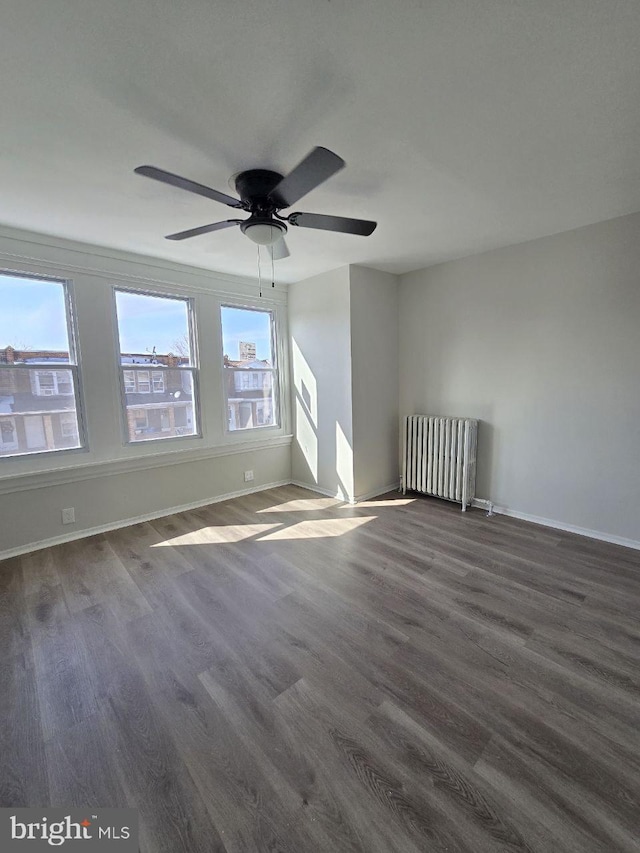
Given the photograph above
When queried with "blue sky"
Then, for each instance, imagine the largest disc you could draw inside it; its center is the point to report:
(238, 324)
(145, 322)
(32, 315)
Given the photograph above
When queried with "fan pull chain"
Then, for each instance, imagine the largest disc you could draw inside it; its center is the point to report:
(259, 273)
(273, 275)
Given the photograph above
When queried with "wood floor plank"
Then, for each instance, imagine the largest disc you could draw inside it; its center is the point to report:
(23, 766)
(14, 631)
(72, 758)
(284, 671)
(91, 573)
(455, 784)
(148, 764)
(373, 829)
(250, 804)
(64, 679)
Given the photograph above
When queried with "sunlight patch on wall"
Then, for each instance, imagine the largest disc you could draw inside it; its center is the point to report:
(306, 409)
(344, 462)
(305, 383)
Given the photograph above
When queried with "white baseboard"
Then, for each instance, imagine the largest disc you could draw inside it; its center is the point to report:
(392, 487)
(559, 525)
(127, 522)
(340, 495)
(150, 516)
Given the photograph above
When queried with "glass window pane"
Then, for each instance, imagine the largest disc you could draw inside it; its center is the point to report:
(37, 411)
(144, 384)
(33, 321)
(129, 381)
(153, 330)
(166, 412)
(246, 338)
(250, 398)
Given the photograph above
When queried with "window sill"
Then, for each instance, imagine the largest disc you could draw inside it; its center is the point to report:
(93, 470)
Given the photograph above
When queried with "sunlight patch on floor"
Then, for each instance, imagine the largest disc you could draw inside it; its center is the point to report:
(302, 505)
(319, 528)
(388, 503)
(217, 535)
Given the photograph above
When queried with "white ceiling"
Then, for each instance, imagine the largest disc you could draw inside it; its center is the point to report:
(465, 125)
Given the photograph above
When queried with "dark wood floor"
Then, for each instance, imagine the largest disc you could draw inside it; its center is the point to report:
(283, 672)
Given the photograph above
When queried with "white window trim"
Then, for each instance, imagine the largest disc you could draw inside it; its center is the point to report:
(143, 384)
(193, 368)
(54, 389)
(155, 375)
(91, 274)
(129, 381)
(279, 408)
(73, 366)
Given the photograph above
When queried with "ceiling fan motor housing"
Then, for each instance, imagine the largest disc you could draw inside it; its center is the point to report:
(254, 186)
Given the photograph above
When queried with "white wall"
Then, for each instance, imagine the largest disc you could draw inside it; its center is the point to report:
(344, 356)
(374, 353)
(320, 330)
(541, 341)
(112, 481)
(31, 516)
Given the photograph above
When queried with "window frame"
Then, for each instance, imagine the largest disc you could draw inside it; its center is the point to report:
(155, 375)
(133, 380)
(193, 368)
(276, 383)
(73, 366)
(143, 385)
(54, 389)
(63, 424)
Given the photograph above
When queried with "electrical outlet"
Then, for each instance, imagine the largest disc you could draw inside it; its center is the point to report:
(69, 515)
(248, 476)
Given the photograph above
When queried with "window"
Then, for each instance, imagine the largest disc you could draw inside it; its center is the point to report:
(250, 371)
(48, 383)
(39, 388)
(8, 435)
(129, 381)
(139, 381)
(64, 382)
(144, 383)
(68, 426)
(140, 418)
(159, 371)
(45, 383)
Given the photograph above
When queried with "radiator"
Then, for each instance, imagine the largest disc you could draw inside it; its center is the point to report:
(440, 457)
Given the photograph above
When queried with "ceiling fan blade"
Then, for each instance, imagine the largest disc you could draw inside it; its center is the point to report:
(279, 250)
(333, 223)
(317, 166)
(186, 184)
(203, 229)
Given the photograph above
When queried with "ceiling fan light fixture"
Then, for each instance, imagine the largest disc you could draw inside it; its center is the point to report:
(264, 233)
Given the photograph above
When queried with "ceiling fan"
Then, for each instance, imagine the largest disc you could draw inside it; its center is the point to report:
(263, 194)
